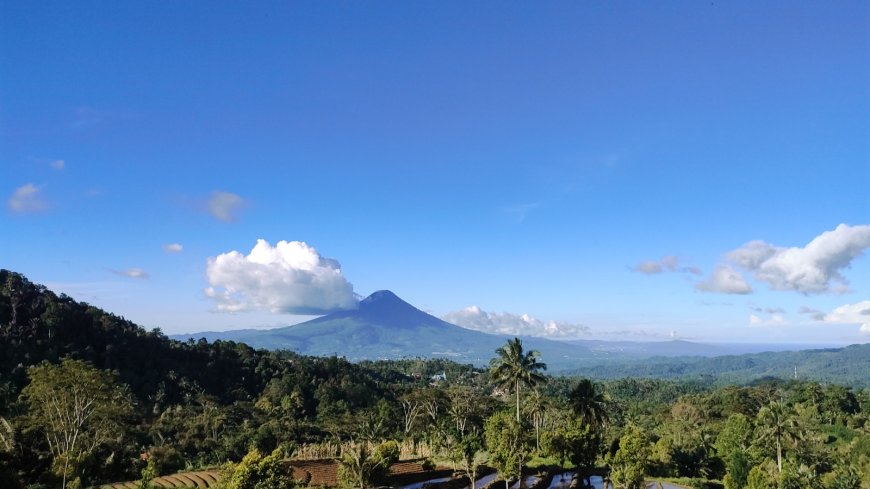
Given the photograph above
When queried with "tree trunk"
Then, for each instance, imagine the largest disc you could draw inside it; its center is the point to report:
(520, 442)
(779, 456)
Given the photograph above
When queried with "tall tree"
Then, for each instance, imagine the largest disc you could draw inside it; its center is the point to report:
(513, 368)
(537, 409)
(589, 404)
(777, 425)
(77, 407)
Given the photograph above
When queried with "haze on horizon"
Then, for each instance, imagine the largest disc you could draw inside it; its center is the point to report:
(568, 170)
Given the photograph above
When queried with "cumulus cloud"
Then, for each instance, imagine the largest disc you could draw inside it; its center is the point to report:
(724, 280)
(808, 270)
(173, 248)
(225, 205)
(58, 164)
(858, 313)
(27, 198)
(473, 317)
(290, 277)
(668, 263)
(131, 273)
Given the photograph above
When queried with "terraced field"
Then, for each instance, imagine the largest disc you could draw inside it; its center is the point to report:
(314, 472)
(205, 478)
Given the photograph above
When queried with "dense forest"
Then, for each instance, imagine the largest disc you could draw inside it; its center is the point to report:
(87, 397)
(847, 365)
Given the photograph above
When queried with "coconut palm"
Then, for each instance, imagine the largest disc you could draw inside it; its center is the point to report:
(589, 404)
(777, 424)
(537, 407)
(513, 368)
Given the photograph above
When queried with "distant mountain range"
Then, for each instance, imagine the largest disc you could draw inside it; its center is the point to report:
(386, 327)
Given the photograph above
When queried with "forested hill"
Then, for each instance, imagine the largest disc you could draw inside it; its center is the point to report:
(193, 403)
(848, 365)
(37, 325)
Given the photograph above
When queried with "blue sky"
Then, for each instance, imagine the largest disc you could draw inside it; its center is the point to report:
(598, 166)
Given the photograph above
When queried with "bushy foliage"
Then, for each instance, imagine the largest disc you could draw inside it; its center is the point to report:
(363, 468)
(628, 465)
(256, 471)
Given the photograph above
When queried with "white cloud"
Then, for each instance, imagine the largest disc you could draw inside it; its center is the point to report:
(858, 313)
(132, 273)
(225, 205)
(668, 263)
(811, 269)
(473, 317)
(774, 320)
(173, 248)
(58, 164)
(724, 280)
(290, 277)
(27, 198)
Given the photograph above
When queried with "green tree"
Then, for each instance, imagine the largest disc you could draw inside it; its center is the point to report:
(575, 441)
(762, 476)
(628, 465)
(469, 452)
(513, 368)
(732, 446)
(77, 407)
(504, 440)
(536, 406)
(589, 404)
(148, 474)
(777, 425)
(361, 468)
(256, 471)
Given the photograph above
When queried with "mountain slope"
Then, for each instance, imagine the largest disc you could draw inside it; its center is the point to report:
(386, 327)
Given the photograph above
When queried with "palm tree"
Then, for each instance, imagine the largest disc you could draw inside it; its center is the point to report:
(513, 368)
(7, 435)
(776, 423)
(589, 404)
(537, 408)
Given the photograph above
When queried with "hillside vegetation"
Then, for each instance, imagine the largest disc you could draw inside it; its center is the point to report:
(157, 406)
(848, 365)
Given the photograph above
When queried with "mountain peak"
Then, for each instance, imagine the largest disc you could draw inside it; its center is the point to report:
(381, 296)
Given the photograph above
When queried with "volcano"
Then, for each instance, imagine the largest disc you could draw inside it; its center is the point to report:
(384, 326)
